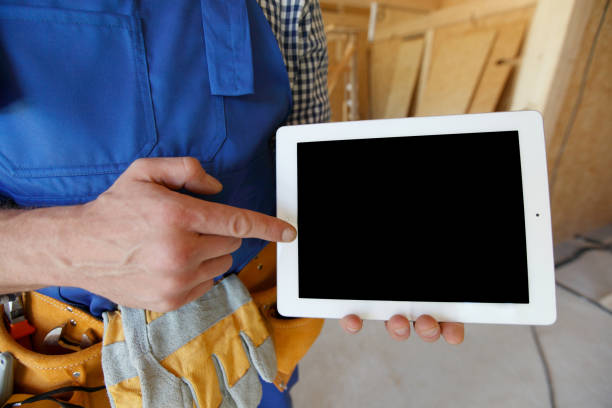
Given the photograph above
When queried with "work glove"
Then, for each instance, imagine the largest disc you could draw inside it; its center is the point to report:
(208, 353)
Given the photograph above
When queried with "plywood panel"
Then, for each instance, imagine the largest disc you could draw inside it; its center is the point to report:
(336, 97)
(404, 78)
(518, 18)
(382, 63)
(580, 152)
(495, 21)
(469, 11)
(386, 16)
(551, 47)
(344, 19)
(452, 3)
(363, 74)
(499, 67)
(421, 5)
(424, 71)
(457, 65)
(336, 104)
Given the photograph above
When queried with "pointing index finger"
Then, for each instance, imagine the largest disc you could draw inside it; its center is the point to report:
(220, 219)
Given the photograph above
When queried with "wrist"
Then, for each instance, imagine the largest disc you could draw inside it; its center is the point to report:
(33, 247)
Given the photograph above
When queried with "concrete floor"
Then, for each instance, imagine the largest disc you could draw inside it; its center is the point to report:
(496, 366)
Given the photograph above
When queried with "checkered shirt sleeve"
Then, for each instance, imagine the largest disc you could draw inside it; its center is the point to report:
(298, 28)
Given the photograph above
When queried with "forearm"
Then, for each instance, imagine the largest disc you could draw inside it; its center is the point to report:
(32, 247)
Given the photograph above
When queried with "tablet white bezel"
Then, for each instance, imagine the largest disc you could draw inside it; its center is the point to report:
(542, 306)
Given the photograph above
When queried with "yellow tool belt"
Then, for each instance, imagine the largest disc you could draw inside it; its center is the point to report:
(62, 362)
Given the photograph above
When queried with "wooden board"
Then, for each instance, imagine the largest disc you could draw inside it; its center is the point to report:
(386, 16)
(420, 5)
(403, 79)
(495, 21)
(382, 62)
(336, 98)
(551, 47)
(336, 104)
(424, 71)
(516, 17)
(469, 11)
(344, 19)
(383, 16)
(363, 82)
(393, 71)
(499, 67)
(451, 3)
(580, 152)
(456, 67)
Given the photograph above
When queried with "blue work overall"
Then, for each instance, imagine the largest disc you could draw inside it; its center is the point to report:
(87, 87)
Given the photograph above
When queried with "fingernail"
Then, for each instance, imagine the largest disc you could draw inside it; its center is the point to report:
(402, 331)
(352, 329)
(431, 332)
(289, 235)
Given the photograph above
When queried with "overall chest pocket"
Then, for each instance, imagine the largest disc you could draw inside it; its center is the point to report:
(80, 101)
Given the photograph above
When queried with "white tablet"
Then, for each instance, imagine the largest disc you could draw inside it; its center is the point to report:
(447, 216)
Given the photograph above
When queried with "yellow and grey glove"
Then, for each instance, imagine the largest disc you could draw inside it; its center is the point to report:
(208, 353)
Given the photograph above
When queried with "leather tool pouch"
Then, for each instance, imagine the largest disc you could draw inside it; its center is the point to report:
(66, 347)
(65, 352)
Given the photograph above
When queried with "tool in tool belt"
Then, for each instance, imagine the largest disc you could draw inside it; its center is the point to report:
(6, 376)
(17, 324)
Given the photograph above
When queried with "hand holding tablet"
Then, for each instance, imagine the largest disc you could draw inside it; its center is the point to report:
(425, 326)
(445, 216)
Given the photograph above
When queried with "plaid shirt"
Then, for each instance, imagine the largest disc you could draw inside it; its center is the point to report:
(298, 28)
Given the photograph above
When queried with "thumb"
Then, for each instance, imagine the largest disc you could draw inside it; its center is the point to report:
(175, 173)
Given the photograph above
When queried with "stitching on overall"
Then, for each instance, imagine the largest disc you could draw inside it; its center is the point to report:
(146, 98)
(84, 167)
(64, 22)
(232, 42)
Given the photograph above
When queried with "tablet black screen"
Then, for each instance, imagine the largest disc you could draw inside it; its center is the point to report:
(437, 218)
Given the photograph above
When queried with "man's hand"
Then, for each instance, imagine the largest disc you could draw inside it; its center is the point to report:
(399, 328)
(159, 249)
(142, 244)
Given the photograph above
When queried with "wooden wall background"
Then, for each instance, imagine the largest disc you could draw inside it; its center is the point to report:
(431, 57)
(580, 149)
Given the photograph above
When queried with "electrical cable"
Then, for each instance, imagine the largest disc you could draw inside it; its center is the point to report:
(600, 246)
(581, 296)
(594, 241)
(547, 374)
(49, 396)
(536, 338)
(574, 256)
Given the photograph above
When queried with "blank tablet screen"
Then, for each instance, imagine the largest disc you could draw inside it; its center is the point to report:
(428, 218)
